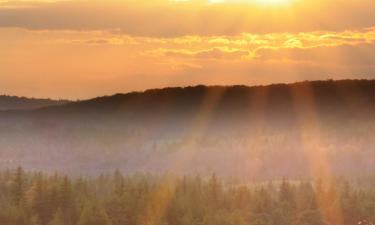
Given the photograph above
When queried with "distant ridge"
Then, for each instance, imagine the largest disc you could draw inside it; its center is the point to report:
(22, 103)
(241, 131)
(194, 91)
(332, 95)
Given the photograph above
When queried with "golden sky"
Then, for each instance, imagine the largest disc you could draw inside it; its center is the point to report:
(80, 49)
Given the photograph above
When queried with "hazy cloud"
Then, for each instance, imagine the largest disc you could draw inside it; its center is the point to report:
(52, 48)
(163, 18)
(212, 53)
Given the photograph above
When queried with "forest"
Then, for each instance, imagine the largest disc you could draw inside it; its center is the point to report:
(251, 132)
(35, 198)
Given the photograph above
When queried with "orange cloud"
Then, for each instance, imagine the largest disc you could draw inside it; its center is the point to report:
(164, 18)
(47, 63)
(247, 46)
(212, 53)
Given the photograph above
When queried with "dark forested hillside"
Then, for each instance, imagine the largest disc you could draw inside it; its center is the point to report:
(261, 132)
(22, 103)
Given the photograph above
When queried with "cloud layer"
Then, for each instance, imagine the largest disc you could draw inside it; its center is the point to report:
(165, 18)
(80, 49)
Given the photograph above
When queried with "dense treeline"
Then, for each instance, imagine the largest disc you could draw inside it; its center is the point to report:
(40, 199)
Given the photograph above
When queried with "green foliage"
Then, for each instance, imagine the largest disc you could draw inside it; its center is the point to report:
(18, 186)
(39, 199)
(93, 215)
(311, 217)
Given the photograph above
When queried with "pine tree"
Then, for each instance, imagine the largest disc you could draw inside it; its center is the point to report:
(214, 191)
(39, 201)
(65, 195)
(66, 200)
(119, 183)
(287, 194)
(306, 199)
(94, 215)
(18, 186)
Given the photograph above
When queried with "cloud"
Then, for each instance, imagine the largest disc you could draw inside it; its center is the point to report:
(55, 63)
(212, 53)
(97, 41)
(163, 18)
(248, 46)
(104, 40)
(345, 56)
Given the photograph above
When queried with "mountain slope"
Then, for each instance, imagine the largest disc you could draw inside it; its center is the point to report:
(22, 103)
(256, 132)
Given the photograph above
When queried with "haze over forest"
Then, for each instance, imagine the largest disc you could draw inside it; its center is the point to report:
(187, 112)
(262, 132)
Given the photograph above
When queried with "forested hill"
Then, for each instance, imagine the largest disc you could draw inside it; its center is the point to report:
(236, 131)
(22, 103)
(324, 95)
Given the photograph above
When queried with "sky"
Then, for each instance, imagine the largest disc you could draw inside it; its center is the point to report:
(77, 49)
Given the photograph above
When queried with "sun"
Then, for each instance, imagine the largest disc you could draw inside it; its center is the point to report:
(257, 2)
(273, 2)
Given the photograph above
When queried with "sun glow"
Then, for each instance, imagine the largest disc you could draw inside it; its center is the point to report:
(257, 2)
(274, 2)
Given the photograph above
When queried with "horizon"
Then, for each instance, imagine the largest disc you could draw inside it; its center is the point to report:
(74, 49)
(187, 86)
